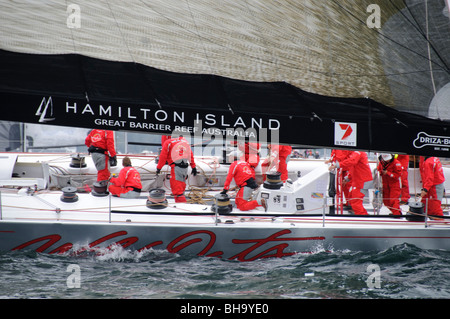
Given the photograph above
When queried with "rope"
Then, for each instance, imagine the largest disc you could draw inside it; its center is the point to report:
(198, 196)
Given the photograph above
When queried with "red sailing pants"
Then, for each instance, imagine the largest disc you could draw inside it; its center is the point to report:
(118, 190)
(391, 196)
(282, 168)
(243, 204)
(177, 187)
(103, 174)
(434, 204)
(356, 199)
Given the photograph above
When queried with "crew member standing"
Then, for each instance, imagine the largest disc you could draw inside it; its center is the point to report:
(391, 171)
(178, 154)
(433, 184)
(128, 184)
(278, 158)
(338, 156)
(357, 164)
(100, 145)
(244, 177)
(404, 160)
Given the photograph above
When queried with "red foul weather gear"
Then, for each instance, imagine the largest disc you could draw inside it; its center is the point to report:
(100, 144)
(250, 152)
(242, 172)
(279, 157)
(128, 180)
(357, 164)
(433, 183)
(391, 173)
(338, 156)
(178, 154)
(404, 160)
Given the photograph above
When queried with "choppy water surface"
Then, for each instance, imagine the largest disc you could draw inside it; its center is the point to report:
(404, 272)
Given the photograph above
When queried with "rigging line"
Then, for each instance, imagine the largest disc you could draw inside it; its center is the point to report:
(429, 53)
(389, 38)
(274, 61)
(199, 36)
(417, 26)
(138, 69)
(428, 46)
(120, 31)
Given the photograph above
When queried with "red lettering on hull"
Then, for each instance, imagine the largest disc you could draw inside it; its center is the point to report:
(268, 247)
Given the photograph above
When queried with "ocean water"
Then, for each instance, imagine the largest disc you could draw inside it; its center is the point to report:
(401, 272)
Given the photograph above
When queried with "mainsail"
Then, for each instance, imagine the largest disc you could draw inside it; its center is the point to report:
(305, 69)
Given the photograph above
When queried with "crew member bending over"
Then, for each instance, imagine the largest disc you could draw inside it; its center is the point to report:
(357, 164)
(100, 145)
(128, 184)
(244, 177)
(178, 154)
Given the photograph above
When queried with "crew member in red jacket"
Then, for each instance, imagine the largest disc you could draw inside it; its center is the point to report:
(404, 160)
(278, 158)
(244, 177)
(357, 164)
(336, 156)
(178, 154)
(391, 171)
(128, 184)
(433, 184)
(100, 145)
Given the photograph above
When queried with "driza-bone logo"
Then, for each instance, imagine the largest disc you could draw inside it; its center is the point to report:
(344, 134)
(438, 142)
(45, 110)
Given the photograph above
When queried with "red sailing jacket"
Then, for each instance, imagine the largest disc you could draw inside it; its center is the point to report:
(128, 177)
(339, 155)
(432, 172)
(102, 139)
(357, 164)
(241, 171)
(175, 149)
(393, 171)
